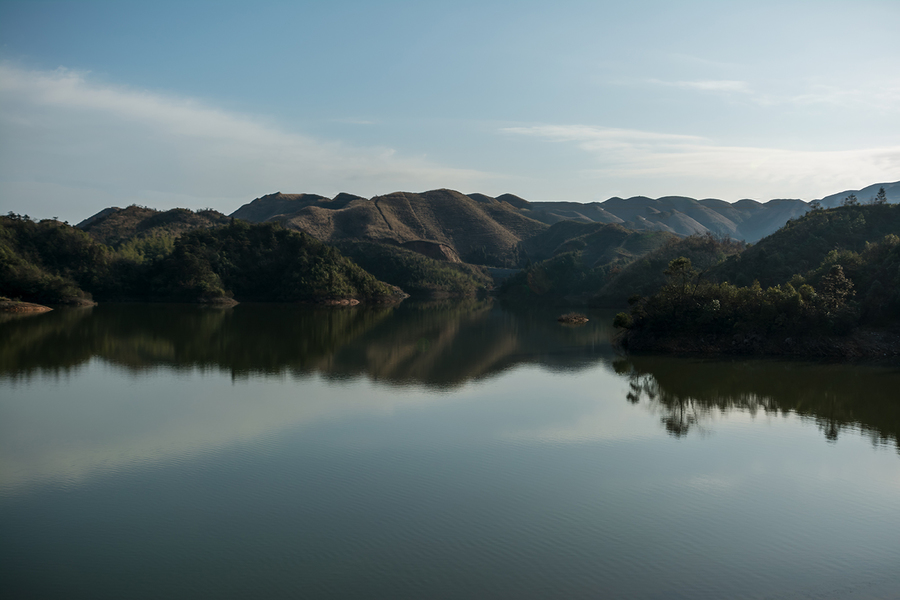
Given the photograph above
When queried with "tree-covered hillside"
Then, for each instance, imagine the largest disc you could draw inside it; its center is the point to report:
(645, 275)
(825, 274)
(414, 273)
(51, 262)
(117, 226)
(802, 244)
(262, 262)
(572, 260)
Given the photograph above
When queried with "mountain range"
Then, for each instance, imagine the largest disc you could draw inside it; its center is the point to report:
(475, 228)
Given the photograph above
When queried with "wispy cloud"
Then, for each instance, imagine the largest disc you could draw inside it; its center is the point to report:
(681, 159)
(884, 96)
(62, 131)
(708, 85)
(353, 121)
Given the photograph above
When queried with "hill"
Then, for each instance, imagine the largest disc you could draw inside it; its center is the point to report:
(865, 196)
(825, 284)
(415, 274)
(263, 262)
(48, 261)
(578, 259)
(115, 226)
(746, 220)
(52, 262)
(801, 245)
(598, 243)
(646, 275)
(476, 228)
(442, 222)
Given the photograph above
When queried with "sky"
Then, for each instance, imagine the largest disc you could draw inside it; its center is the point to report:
(213, 104)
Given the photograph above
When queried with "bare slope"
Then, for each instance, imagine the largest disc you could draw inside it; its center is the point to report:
(746, 219)
(482, 230)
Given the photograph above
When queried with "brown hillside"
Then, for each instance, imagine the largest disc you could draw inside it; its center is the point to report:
(477, 230)
(272, 205)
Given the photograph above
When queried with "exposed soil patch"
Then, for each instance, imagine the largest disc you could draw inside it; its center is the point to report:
(14, 306)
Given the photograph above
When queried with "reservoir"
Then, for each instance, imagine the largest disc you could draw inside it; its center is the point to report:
(430, 450)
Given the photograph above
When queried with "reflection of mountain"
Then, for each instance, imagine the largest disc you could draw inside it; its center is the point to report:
(439, 344)
(450, 344)
(836, 396)
(188, 379)
(255, 339)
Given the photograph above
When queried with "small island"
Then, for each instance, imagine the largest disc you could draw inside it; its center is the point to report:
(573, 318)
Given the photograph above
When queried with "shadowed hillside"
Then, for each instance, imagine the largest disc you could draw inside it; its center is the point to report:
(801, 245)
(578, 260)
(745, 220)
(827, 284)
(53, 262)
(645, 275)
(598, 243)
(865, 196)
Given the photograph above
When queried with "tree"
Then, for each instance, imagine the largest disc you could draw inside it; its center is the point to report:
(681, 274)
(850, 200)
(836, 289)
(816, 205)
(881, 197)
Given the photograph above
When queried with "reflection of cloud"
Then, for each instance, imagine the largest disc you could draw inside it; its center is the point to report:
(103, 419)
(709, 484)
(169, 416)
(61, 128)
(643, 154)
(603, 425)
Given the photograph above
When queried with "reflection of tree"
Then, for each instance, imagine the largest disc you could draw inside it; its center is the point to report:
(837, 397)
(437, 344)
(679, 413)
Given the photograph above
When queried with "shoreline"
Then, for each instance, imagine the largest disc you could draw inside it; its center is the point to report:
(17, 307)
(859, 344)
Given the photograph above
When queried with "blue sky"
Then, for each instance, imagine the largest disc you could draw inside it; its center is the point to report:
(213, 104)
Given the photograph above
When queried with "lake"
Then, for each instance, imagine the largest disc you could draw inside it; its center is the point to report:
(430, 450)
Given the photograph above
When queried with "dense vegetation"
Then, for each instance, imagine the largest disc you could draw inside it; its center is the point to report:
(48, 261)
(574, 260)
(117, 226)
(646, 274)
(801, 244)
(415, 273)
(846, 281)
(51, 262)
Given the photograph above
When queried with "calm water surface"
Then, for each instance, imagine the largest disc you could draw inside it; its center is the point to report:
(430, 451)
